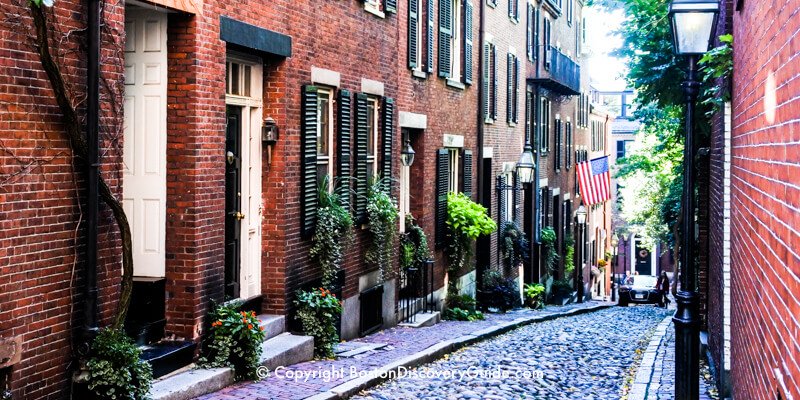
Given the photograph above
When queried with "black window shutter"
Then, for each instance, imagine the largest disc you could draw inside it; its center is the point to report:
(391, 6)
(344, 155)
(511, 8)
(502, 199)
(308, 197)
(529, 32)
(445, 33)
(442, 187)
(388, 142)
(536, 34)
(516, 90)
(510, 87)
(467, 173)
(468, 11)
(494, 82)
(486, 86)
(517, 200)
(360, 184)
(429, 37)
(413, 26)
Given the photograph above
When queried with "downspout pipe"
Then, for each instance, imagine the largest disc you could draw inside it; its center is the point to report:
(93, 166)
(481, 94)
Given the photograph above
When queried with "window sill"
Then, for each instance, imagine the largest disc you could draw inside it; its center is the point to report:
(544, 153)
(419, 74)
(455, 84)
(375, 12)
(512, 124)
(488, 121)
(513, 20)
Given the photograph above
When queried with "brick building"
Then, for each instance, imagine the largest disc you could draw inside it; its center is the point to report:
(598, 233)
(764, 361)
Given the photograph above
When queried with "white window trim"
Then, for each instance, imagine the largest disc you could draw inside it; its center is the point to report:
(329, 157)
(374, 101)
(375, 7)
(454, 173)
(509, 204)
(455, 44)
(404, 201)
(418, 34)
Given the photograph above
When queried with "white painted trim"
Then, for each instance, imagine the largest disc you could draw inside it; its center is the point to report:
(372, 87)
(488, 152)
(508, 167)
(567, 196)
(542, 182)
(413, 120)
(325, 77)
(450, 140)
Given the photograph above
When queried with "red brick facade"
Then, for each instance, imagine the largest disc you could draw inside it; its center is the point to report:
(764, 218)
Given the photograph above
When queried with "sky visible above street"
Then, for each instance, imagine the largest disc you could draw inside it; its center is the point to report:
(606, 72)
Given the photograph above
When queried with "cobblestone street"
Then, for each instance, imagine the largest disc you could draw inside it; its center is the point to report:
(581, 357)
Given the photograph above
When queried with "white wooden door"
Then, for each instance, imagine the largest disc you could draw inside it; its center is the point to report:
(145, 137)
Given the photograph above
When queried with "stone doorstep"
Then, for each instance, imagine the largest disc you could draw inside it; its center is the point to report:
(273, 325)
(357, 348)
(281, 350)
(352, 387)
(423, 319)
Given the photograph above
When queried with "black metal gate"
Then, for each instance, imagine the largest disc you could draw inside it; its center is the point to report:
(416, 291)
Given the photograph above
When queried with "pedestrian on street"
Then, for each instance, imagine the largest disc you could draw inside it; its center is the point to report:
(662, 285)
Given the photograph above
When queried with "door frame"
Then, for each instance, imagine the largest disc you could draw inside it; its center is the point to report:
(252, 108)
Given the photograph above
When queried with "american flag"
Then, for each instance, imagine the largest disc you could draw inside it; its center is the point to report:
(595, 180)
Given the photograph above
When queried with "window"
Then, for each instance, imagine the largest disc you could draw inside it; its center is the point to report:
(547, 49)
(512, 101)
(570, 6)
(414, 35)
(490, 83)
(380, 7)
(372, 137)
(559, 144)
(513, 10)
(238, 79)
(455, 42)
(532, 33)
(454, 155)
(325, 136)
(544, 126)
(570, 145)
(404, 200)
(623, 148)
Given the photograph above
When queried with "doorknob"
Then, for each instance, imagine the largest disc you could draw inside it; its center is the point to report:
(239, 216)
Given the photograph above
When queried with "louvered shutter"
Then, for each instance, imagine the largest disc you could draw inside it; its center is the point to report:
(308, 151)
(529, 31)
(429, 37)
(344, 131)
(494, 82)
(510, 88)
(442, 187)
(467, 173)
(516, 90)
(517, 200)
(468, 42)
(360, 184)
(388, 142)
(511, 8)
(502, 199)
(413, 27)
(536, 33)
(486, 86)
(445, 33)
(549, 201)
(390, 6)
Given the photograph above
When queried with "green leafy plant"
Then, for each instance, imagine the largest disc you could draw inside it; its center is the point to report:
(413, 245)
(466, 220)
(458, 314)
(234, 341)
(516, 247)
(717, 67)
(569, 260)
(561, 287)
(551, 257)
(318, 311)
(382, 224)
(332, 235)
(115, 370)
(534, 295)
(501, 293)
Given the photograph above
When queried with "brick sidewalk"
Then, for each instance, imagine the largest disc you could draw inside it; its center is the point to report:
(400, 343)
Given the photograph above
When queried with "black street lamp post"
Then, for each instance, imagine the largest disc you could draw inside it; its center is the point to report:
(580, 218)
(693, 25)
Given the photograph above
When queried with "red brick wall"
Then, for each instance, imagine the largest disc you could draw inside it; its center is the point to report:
(41, 244)
(764, 239)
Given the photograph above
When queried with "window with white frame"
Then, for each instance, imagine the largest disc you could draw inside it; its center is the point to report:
(404, 201)
(509, 211)
(490, 83)
(325, 135)
(455, 42)
(238, 79)
(544, 126)
(373, 110)
(380, 7)
(455, 168)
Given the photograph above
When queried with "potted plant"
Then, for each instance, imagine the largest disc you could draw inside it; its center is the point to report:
(235, 341)
(499, 293)
(534, 295)
(114, 369)
(548, 238)
(515, 245)
(318, 311)
(332, 234)
(461, 308)
(382, 225)
(561, 292)
(466, 220)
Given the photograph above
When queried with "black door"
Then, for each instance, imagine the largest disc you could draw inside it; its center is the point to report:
(233, 212)
(484, 242)
(644, 264)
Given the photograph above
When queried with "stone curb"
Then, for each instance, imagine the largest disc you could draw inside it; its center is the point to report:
(438, 350)
(642, 382)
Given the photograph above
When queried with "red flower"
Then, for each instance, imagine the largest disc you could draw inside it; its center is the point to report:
(249, 326)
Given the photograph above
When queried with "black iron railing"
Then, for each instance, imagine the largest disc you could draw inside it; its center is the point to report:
(565, 74)
(416, 291)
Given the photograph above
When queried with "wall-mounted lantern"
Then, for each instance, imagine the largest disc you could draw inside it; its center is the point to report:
(269, 135)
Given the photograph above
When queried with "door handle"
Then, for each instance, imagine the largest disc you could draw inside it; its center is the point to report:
(239, 216)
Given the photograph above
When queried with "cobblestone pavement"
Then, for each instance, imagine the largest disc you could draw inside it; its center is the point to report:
(662, 383)
(400, 342)
(583, 357)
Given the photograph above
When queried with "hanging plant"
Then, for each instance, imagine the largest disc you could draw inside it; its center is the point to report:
(515, 244)
(549, 243)
(569, 255)
(717, 68)
(466, 220)
(332, 235)
(413, 245)
(382, 225)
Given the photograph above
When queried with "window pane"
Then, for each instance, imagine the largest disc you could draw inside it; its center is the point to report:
(323, 124)
(371, 128)
(235, 90)
(322, 170)
(247, 80)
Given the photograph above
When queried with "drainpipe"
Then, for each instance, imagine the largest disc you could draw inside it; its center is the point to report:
(481, 94)
(92, 139)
